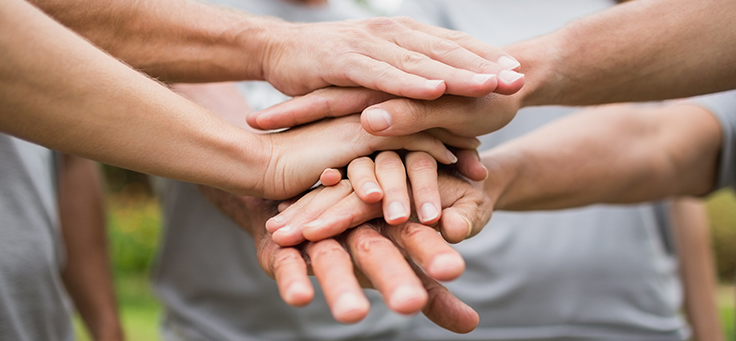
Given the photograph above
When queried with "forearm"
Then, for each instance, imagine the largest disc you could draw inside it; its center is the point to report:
(71, 97)
(173, 40)
(691, 228)
(614, 154)
(87, 275)
(638, 51)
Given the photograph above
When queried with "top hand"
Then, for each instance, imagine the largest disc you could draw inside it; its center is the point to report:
(399, 56)
(384, 115)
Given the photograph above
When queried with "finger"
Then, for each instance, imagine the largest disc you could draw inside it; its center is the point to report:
(415, 56)
(450, 139)
(388, 271)
(470, 166)
(330, 177)
(454, 225)
(293, 232)
(446, 310)
(319, 104)
(427, 248)
(349, 212)
(509, 83)
(422, 170)
(290, 273)
(334, 270)
(280, 220)
(391, 176)
(362, 174)
(379, 75)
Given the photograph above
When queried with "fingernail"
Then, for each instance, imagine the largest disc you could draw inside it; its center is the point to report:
(378, 119)
(508, 62)
(429, 212)
(285, 229)
(445, 262)
(313, 224)
(481, 78)
(395, 211)
(470, 227)
(371, 187)
(404, 296)
(451, 157)
(509, 76)
(278, 219)
(348, 303)
(433, 83)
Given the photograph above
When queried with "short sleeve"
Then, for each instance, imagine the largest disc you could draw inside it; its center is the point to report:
(723, 107)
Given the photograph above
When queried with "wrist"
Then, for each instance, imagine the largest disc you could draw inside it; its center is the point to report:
(541, 63)
(261, 38)
(503, 170)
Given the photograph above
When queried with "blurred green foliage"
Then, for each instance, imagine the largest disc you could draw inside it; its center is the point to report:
(721, 208)
(134, 222)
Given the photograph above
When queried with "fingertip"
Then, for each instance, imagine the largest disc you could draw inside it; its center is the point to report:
(252, 119)
(330, 177)
(429, 214)
(298, 294)
(275, 223)
(350, 308)
(454, 226)
(508, 62)
(370, 192)
(510, 82)
(446, 267)
(288, 235)
(396, 213)
(407, 300)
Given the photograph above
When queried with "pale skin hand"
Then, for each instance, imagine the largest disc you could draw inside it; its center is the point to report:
(363, 257)
(449, 118)
(397, 55)
(684, 53)
(155, 131)
(326, 212)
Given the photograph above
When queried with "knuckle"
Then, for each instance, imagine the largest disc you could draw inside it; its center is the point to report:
(326, 251)
(382, 23)
(411, 58)
(369, 243)
(457, 36)
(282, 259)
(421, 163)
(409, 232)
(344, 186)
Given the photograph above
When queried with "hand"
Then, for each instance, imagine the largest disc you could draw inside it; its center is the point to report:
(449, 117)
(326, 212)
(295, 158)
(396, 55)
(363, 257)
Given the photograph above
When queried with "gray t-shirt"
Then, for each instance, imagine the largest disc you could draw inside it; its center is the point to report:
(723, 106)
(597, 272)
(32, 298)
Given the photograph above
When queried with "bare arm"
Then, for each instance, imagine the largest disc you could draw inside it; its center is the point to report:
(638, 51)
(188, 41)
(691, 226)
(69, 96)
(87, 275)
(613, 154)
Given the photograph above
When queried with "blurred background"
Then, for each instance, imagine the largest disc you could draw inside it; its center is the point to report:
(134, 223)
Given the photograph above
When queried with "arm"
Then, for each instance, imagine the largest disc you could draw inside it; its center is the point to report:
(638, 51)
(188, 41)
(72, 97)
(613, 154)
(87, 274)
(691, 228)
